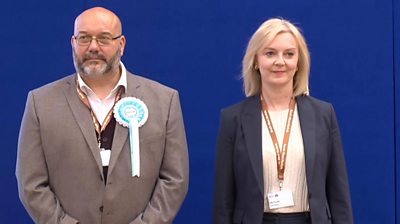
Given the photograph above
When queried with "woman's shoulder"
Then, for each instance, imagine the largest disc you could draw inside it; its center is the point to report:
(238, 107)
(307, 104)
(312, 101)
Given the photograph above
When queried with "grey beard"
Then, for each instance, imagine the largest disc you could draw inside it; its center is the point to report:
(89, 71)
(113, 64)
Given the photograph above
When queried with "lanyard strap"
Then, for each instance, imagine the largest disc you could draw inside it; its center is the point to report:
(280, 154)
(99, 127)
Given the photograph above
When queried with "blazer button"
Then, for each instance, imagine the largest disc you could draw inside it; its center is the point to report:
(309, 195)
(101, 208)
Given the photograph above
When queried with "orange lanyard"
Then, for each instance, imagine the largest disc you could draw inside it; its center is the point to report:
(280, 154)
(99, 128)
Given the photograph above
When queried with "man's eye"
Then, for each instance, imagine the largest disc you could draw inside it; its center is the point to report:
(84, 38)
(104, 38)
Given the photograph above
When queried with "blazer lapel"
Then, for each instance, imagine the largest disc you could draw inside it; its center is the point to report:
(121, 133)
(307, 124)
(251, 123)
(83, 118)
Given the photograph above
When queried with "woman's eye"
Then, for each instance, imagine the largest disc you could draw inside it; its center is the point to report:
(269, 53)
(290, 54)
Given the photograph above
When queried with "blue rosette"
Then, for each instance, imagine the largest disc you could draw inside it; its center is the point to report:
(132, 113)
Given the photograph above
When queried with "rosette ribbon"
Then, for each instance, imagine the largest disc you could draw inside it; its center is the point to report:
(132, 113)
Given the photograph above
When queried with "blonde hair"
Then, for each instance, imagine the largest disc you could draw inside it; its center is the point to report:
(264, 35)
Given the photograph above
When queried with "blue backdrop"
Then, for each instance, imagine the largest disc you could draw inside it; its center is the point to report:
(197, 47)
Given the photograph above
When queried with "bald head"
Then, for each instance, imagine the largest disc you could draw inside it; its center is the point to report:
(100, 58)
(98, 19)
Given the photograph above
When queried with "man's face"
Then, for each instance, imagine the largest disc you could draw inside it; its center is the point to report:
(95, 63)
(96, 51)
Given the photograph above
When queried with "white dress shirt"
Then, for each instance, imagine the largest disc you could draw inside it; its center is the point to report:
(102, 107)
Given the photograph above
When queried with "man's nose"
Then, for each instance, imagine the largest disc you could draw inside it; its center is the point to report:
(93, 45)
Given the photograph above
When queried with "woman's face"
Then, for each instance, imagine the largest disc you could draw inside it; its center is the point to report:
(277, 61)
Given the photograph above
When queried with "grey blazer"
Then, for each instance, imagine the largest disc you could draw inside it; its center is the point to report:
(239, 185)
(59, 171)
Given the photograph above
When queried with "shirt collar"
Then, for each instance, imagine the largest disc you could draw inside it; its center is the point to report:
(121, 82)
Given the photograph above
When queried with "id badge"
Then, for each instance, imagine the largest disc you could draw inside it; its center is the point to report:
(280, 199)
(105, 156)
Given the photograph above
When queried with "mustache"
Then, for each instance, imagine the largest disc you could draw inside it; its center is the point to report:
(90, 55)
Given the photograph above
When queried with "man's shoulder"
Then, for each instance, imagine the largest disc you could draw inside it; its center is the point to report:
(149, 84)
(55, 86)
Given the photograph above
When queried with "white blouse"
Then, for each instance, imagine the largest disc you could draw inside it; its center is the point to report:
(295, 171)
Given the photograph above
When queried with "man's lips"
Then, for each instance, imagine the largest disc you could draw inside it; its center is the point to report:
(94, 59)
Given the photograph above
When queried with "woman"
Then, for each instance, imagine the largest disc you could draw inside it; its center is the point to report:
(264, 174)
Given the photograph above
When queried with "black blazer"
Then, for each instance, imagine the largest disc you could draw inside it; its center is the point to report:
(239, 185)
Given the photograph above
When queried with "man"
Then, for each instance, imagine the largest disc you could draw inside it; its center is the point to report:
(80, 159)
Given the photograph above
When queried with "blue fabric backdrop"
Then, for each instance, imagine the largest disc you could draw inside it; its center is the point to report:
(197, 47)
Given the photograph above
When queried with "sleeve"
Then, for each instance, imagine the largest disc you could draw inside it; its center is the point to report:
(32, 175)
(224, 189)
(337, 185)
(172, 184)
